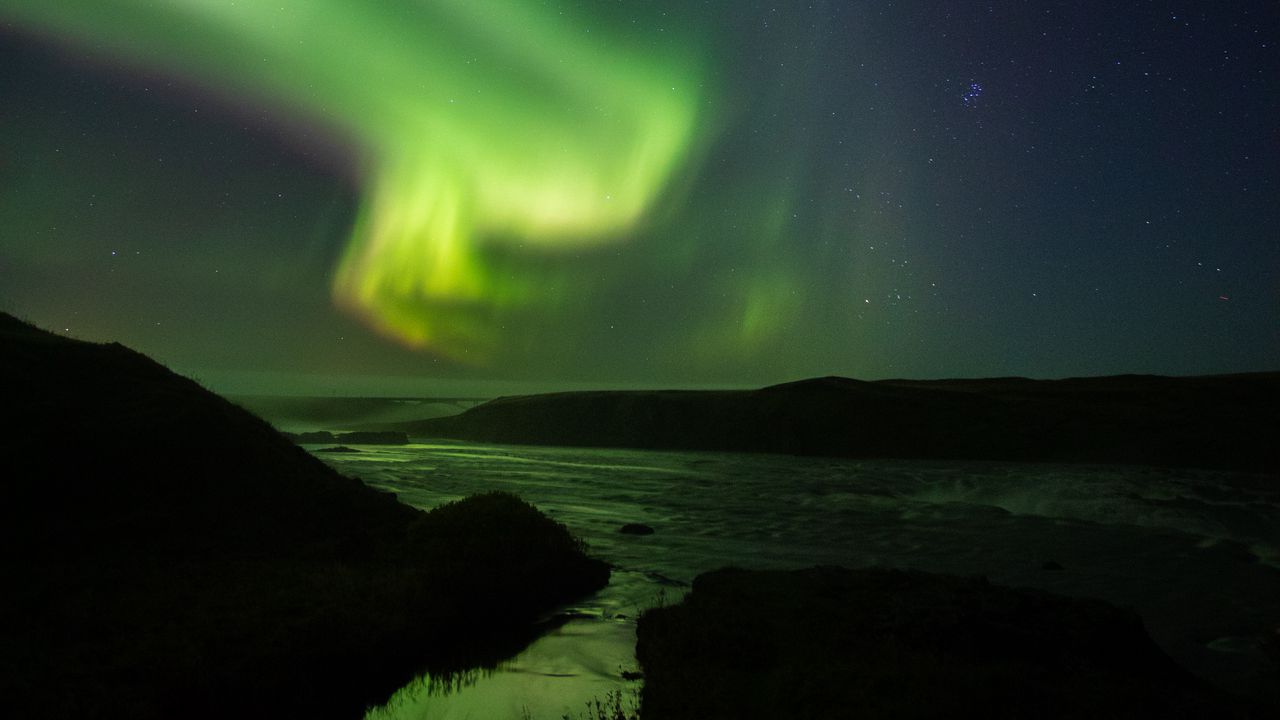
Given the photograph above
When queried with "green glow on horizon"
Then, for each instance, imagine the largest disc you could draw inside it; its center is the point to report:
(477, 125)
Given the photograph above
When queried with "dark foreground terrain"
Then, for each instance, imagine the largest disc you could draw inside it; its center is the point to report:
(167, 554)
(829, 642)
(1226, 422)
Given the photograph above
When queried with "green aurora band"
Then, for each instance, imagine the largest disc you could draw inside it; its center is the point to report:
(480, 128)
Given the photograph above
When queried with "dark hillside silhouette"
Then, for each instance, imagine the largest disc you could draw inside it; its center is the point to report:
(1225, 421)
(171, 555)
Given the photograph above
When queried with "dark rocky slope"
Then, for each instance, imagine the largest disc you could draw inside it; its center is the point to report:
(170, 555)
(1227, 421)
(829, 642)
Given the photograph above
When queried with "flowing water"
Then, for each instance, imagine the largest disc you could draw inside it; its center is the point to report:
(1196, 553)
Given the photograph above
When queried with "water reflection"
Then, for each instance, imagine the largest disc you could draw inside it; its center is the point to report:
(418, 694)
(580, 661)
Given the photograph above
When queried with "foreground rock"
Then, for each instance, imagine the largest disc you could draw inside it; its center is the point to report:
(831, 642)
(167, 554)
(1226, 421)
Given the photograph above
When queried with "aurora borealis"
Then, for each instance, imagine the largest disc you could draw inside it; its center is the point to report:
(632, 193)
(473, 123)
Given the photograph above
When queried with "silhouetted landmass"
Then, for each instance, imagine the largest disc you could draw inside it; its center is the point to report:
(343, 413)
(1226, 421)
(338, 449)
(877, 643)
(382, 437)
(167, 554)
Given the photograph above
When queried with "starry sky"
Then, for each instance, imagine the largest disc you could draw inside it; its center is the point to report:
(483, 196)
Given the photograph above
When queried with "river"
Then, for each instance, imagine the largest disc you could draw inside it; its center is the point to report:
(1196, 553)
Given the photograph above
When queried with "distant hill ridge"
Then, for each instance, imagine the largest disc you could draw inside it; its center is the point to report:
(1223, 421)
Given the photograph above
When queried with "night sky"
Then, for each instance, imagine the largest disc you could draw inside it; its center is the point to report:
(412, 197)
